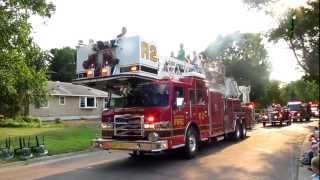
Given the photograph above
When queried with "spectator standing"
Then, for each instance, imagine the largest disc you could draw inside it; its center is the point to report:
(196, 62)
(181, 53)
(172, 54)
(123, 33)
(188, 59)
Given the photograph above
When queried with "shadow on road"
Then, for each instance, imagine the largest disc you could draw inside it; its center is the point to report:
(172, 165)
(262, 156)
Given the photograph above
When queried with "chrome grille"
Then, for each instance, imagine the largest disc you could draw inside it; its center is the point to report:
(128, 125)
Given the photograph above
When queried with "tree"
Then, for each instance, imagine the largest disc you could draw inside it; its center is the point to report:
(62, 65)
(259, 4)
(272, 94)
(245, 59)
(300, 29)
(22, 63)
(300, 90)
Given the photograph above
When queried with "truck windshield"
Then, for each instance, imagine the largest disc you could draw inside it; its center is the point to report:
(146, 94)
(294, 107)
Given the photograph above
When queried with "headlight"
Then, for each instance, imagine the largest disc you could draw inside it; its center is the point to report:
(275, 117)
(153, 136)
(158, 125)
(298, 114)
(149, 126)
(106, 125)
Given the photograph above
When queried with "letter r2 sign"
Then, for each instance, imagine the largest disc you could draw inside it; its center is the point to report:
(148, 51)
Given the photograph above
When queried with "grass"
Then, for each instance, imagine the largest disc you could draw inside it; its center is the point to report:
(59, 138)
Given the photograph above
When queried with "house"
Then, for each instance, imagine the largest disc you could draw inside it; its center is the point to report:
(68, 101)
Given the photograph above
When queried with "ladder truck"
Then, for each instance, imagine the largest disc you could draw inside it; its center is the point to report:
(160, 103)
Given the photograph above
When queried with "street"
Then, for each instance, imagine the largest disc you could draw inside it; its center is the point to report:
(267, 153)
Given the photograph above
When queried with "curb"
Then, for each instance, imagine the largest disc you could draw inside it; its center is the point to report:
(303, 172)
(47, 158)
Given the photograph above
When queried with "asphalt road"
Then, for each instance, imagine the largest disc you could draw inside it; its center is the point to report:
(267, 153)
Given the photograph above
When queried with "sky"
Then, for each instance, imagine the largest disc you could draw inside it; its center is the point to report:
(167, 23)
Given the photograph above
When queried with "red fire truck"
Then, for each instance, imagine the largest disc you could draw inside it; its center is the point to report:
(167, 106)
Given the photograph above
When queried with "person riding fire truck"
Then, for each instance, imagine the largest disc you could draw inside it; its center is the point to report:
(164, 103)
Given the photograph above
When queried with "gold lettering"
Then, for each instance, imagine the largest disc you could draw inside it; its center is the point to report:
(144, 50)
(153, 53)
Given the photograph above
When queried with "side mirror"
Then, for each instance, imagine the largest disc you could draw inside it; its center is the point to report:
(179, 101)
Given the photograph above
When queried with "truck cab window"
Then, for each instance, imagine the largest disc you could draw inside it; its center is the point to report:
(200, 97)
(179, 92)
(200, 93)
(192, 96)
(179, 96)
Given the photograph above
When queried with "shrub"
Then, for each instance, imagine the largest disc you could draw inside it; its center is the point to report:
(21, 121)
(57, 121)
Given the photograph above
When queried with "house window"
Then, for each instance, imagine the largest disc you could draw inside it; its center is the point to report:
(62, 100)
(88, 102)
(82, 102)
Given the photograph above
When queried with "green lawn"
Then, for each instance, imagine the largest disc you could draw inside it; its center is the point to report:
(59, 138)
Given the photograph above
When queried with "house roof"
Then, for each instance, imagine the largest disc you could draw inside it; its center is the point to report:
(68, 89)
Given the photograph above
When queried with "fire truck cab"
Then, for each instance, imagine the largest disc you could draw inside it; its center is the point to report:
(299, 110)
(164, 104)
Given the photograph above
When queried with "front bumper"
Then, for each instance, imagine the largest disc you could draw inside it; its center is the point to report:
(146, 146)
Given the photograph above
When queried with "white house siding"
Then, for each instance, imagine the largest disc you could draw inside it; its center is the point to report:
(70, 110)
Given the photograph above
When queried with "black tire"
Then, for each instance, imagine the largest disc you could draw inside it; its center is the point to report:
(191, 143)
(236, 135)
(264, 124)
(288, 123)
(243, 130)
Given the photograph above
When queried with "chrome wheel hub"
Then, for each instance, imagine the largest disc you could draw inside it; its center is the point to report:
(192, 143)
(238, 133)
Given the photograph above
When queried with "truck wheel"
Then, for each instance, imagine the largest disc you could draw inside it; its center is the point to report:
(264, 124)
(191, 147)
(243, 130)
(236, 135)
(136, 154)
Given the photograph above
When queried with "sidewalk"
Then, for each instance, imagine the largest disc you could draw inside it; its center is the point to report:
(304, 173)
(49, 158)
